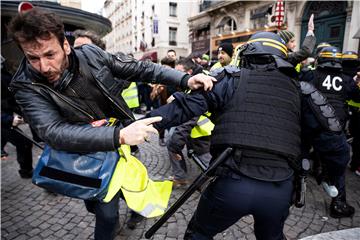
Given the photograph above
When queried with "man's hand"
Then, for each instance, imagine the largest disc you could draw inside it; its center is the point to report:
(201, 81)
(17, 120)
(311, 23)
(177, 157)
(357, 79)
(138, 131)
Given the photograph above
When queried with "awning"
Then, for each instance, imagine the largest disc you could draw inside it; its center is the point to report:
(152, 56)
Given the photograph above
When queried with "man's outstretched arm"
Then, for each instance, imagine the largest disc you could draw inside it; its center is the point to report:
(186, 106)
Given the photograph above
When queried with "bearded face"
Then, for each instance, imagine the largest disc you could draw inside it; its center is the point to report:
(47, 56)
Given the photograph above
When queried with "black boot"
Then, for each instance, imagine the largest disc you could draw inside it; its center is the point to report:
(24, 173)
(339, 208)
(134, 219)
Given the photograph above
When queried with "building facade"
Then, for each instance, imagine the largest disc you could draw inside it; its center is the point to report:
(336, 22)
(149, 28)
(73, 18)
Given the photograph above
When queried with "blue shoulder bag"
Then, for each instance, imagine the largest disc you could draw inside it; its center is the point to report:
(83, 176)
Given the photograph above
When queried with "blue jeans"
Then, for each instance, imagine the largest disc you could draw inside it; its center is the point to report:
(107, 217)
(227, 200)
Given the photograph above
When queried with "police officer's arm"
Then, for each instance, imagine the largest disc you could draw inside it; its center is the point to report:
(186, 106)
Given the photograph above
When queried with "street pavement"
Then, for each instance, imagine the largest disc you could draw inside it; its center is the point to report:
(29, 212)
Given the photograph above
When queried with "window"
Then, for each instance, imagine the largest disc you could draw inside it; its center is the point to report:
(226, 25)
(172, 36)
(172, 9)
(258, 17)
(335, 32)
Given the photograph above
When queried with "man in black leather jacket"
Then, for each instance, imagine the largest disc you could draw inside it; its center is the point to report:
(61, 90)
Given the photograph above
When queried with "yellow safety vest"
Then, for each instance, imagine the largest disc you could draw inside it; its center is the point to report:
(215, 66)
(130, 96)
(203, 128)
(298, 67)
(144, 196)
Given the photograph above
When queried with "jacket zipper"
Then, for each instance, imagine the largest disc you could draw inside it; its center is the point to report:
(71, 104)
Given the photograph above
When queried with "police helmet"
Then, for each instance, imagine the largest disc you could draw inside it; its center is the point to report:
(320, 46)
(329, 57)
(267, 43)
(350, 62)
(350, 56)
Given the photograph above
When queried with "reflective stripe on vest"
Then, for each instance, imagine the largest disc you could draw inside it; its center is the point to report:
(353, 104)
(203, 127)
(130, 96)
(144, 196)
(215, 66)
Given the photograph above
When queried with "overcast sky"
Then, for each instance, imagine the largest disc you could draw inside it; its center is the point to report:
(93, 6)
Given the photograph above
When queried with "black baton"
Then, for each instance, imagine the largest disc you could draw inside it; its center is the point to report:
(200, 180)
(16, 129)
(198, 161)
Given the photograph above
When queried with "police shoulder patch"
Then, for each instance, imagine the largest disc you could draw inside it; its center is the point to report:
(307, 88)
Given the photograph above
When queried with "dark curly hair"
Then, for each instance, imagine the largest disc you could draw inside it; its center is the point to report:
(168, 61)
(92, 36)
(36, 23)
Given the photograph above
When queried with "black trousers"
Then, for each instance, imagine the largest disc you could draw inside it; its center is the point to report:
(227, 200)
(23, 147)
(354, 128)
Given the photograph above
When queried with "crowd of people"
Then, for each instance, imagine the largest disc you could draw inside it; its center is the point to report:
(272, 105)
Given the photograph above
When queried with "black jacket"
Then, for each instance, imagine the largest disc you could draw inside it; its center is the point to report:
(304, 52)
(8, 103)
(60, 122)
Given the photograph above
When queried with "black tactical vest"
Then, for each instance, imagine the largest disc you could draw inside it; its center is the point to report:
(263, 115)
(331, 84)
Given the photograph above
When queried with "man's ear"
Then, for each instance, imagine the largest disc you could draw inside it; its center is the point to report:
(67, 47)
(190, 71)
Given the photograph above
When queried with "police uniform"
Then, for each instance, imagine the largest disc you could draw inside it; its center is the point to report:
(257, 111)
(333, 150)
(351, 64)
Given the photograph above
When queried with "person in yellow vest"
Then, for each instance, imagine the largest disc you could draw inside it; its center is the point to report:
(195, 134)
(225, 52)
(130, 96)
(295, 57)
(351, 68)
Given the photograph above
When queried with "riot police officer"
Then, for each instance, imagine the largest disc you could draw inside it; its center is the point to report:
(256, 110)
(337, 87)
(351, 65)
